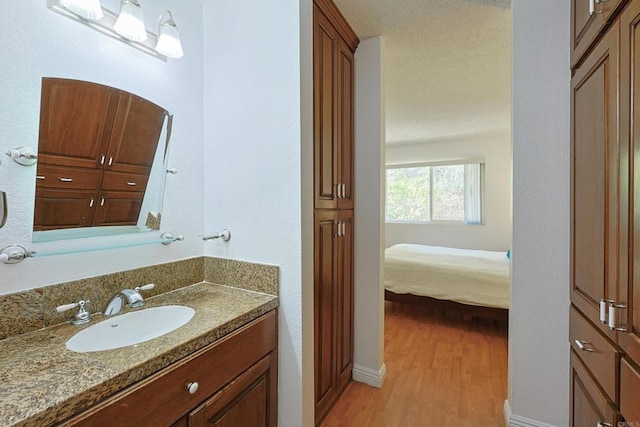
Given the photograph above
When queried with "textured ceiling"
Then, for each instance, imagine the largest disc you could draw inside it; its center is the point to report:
(447, 64)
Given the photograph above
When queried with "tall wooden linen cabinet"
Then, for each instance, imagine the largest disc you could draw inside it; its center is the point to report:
(334, 44)
(605, 213)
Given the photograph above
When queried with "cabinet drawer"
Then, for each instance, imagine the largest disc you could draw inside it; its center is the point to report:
(211, 367)
(50, 176)
(629, 392)
(598, 355)
(589, 406)
(124, 181)
(589, 18)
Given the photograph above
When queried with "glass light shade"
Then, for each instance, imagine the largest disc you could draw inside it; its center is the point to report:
(88, 9)
(130, 22)
(169, 43)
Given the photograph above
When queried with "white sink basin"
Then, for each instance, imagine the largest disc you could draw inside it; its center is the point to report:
(130, 328)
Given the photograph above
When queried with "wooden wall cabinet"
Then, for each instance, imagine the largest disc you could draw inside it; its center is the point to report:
(334, 45)
(333, 315)
(333, 113)
(589, 18)
(605, 226)
(93, 138)
(237, 378)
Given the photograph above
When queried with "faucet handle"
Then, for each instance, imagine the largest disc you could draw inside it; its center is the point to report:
(82, 316)
(66, 307)
(145, 287)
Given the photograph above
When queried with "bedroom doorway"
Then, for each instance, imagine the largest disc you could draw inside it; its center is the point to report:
(447, 67)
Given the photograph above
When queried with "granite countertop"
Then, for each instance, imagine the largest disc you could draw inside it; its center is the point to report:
(42, 383)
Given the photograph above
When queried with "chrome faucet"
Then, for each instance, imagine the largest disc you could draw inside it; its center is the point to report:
(132, 297)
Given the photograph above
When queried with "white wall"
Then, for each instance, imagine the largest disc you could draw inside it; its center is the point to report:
(368, 222)
(38, 42)
(495, 234)
(253, 159)
(538, 329)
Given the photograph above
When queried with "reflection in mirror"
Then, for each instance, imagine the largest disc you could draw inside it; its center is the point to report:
(102, 160)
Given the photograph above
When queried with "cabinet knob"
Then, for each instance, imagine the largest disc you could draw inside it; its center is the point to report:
(192, 387)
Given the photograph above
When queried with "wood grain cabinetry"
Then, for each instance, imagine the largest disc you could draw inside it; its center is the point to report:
(333, 70)
(333, 111)
(237, 386)
(333, 296)
(589, 407)
(97, 138)
(596, 182)
(588, 20)
(605, 241)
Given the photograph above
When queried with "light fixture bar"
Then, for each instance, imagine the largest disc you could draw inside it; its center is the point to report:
(105, 26)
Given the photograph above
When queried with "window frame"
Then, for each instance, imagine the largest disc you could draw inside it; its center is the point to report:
(459, 162)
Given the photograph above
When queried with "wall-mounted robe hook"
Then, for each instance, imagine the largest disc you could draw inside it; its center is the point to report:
(224, 235)
(14, 254)
(25, 156)
(168, 238)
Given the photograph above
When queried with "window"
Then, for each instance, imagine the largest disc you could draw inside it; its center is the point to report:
(435, 192)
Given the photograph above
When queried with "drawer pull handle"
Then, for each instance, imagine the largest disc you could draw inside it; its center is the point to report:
(65, 179)
(192, 387)
(581, 345)
(131, 184)
(40, 177)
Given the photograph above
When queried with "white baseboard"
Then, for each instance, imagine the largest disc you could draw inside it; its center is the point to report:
(369, 376)
(513, 420)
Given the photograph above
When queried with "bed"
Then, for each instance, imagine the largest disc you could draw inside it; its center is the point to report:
(473, 282)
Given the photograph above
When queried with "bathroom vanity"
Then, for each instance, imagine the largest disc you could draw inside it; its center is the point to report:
(218, 369)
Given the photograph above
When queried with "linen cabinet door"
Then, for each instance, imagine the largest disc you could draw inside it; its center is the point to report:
(345, 125)
(588, 19)
(585, 25)
(595, 183)
(325, 316)
(630, 130)
(344, 295)
(54, 209)
(588, 406)
(76, 118)
(325, 132)
(136, 130)
(118, 208)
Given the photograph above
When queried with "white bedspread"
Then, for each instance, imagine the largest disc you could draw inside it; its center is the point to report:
(462, 275)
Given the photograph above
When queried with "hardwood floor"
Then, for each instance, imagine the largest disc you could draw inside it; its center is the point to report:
(441, 370)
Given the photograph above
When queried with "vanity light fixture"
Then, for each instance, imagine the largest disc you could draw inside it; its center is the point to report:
(88, 9)
(168, 37)
(130, 22)
(126, 26)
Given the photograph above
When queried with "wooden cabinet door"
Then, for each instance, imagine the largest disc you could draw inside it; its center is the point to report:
(630, 131)
(56, 209)
(76, 118)
(344, 299)
(596, 184)
(325, 297)
(118, 208)
(134, 139)
(588, 20)
(248, 401)
(588, 406)
(345, 114)
(325, 94)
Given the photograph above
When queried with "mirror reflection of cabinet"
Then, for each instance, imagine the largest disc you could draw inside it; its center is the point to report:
(96, 149)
